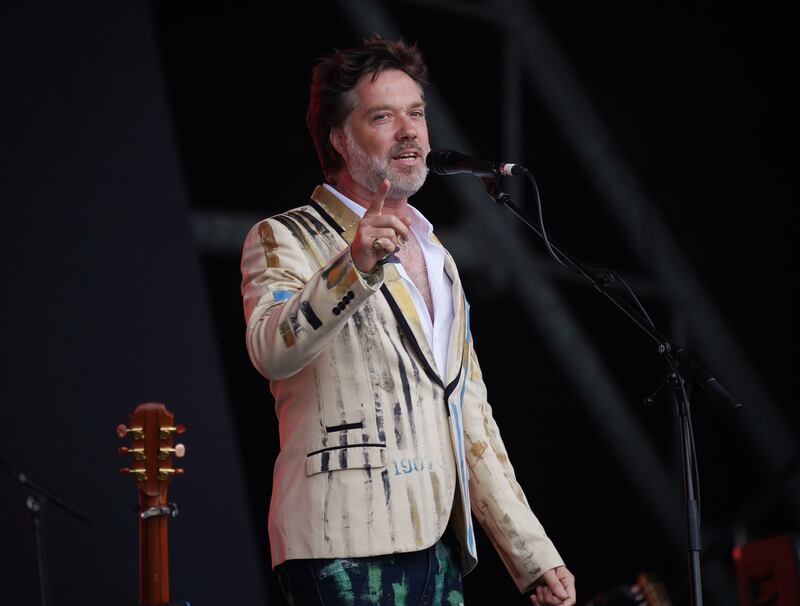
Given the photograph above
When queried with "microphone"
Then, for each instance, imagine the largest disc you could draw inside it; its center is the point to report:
(449, 162)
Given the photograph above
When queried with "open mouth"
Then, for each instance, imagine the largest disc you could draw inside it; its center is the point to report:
(407, 154)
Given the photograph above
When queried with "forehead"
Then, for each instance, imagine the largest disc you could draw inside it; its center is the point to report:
(392, 87)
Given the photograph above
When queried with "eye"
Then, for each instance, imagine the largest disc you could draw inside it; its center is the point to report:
(417, 113)
(381, 116)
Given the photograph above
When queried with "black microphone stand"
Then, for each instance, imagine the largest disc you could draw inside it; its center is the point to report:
(675, 357)
(34, 504)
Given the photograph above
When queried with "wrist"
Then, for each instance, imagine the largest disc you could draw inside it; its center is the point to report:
(372, 277)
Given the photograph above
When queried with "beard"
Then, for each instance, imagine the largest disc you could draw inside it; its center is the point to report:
(370, 170)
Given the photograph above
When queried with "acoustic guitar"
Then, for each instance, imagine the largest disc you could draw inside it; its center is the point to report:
(151, 429)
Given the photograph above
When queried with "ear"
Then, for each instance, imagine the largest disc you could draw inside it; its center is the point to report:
(337, 139)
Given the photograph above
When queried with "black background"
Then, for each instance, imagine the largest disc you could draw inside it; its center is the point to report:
(696, 100)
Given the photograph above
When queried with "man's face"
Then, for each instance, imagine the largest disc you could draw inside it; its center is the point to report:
(386, 136)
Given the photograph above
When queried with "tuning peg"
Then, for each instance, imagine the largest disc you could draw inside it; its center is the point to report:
(179, 451)
(140, 474)
(138, 453)
(136, 432)
(165, 431)
(163, 474)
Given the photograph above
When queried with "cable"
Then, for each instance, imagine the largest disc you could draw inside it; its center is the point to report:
(569, 265)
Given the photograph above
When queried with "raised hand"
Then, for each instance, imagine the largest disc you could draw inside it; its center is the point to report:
(378, 235)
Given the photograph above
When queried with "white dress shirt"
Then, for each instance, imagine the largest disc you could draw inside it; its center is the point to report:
(437, 331)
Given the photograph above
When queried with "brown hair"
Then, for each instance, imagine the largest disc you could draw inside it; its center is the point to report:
(334, 78)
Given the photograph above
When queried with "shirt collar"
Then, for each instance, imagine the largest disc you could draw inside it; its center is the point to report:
(419, 224)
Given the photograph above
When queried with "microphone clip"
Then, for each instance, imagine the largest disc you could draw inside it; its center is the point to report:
(492, 185)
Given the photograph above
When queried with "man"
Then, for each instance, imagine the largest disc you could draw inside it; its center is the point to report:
(355, 314)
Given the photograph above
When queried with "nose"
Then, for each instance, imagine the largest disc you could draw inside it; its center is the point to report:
(406, 129)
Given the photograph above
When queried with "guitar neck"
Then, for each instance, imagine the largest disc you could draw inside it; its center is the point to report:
(152, 429)
(153, 560)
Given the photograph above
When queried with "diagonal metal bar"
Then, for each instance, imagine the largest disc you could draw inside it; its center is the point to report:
(623, 434)
(612, 176)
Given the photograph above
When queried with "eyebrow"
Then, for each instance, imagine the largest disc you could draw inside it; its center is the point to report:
(377, 108)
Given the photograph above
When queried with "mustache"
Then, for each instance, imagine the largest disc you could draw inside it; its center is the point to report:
(402, 147)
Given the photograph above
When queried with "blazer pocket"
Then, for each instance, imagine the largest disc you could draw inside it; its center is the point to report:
(348, 456)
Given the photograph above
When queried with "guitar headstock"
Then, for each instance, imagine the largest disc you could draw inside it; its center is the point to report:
(151, 428)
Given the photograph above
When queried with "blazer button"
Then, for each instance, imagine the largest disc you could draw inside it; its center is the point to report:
(342, 305)
(350, 295)
(336, 311)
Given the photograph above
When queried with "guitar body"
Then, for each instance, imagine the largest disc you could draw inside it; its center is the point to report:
(152, 430)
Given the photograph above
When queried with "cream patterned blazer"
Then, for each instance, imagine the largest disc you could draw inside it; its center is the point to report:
(379, 450)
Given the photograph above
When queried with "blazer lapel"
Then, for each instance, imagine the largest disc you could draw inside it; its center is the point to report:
(394, 290)
(457, 351)
(404, 310)
(341, 218)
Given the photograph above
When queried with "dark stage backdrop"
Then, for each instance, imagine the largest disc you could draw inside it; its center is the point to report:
(104, 307)
(119, 127)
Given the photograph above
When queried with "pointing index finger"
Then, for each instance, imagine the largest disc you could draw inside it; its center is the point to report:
(377, 206)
